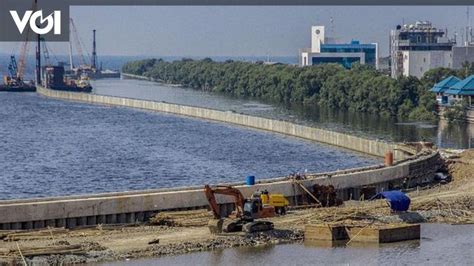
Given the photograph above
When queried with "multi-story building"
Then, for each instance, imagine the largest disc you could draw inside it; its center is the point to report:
(325, 50)
(419, 47)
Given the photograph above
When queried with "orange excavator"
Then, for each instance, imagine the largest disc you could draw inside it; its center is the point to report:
(245, 215)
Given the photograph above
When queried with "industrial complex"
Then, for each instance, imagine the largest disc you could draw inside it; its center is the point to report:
(414, 49)
(417, 48)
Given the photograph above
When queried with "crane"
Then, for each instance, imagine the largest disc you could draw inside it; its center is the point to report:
(24, 50)
(45, 51)
(22, 59)
(17, 71)
(78, 43)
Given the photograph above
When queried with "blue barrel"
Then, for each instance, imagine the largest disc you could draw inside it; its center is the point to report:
(250, 180)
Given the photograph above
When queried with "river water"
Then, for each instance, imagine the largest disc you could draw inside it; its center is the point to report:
(53, 147)
(443, 135)
(440, 244)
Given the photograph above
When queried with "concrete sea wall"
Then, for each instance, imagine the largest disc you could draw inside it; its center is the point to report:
(372, 147)
(137, 206)
(131, 76)
(131, 207)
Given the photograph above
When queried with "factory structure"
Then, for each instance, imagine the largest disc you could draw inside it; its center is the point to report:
(327, 50)
(417, 48)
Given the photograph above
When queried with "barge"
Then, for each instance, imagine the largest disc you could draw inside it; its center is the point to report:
(54, 78)
(18, 88)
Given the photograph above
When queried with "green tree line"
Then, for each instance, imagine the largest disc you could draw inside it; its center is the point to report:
(360, 89)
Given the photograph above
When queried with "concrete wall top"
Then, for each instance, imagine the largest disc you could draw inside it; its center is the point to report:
(139, 201)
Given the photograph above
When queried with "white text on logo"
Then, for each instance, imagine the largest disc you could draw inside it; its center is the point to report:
(53, 21)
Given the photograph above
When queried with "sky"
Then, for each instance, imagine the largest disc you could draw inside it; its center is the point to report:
(241, 31)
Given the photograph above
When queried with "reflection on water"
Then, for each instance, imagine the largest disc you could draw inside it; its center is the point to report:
(368, 125)
(440, 244)
(455, 135)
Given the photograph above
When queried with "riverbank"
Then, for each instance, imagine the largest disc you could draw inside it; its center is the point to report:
(442, 203)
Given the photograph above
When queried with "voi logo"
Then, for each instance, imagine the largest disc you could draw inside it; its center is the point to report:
(53, 21)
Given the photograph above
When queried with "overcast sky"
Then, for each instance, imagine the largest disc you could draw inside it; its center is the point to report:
(240, 31)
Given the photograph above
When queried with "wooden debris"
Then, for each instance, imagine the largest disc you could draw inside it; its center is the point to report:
(182, 218)
(21, 254)
(33, 234)
(298, 182)
(44, 251)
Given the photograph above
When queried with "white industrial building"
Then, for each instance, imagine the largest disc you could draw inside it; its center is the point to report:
(416, 63)
(326, 50)
(419, 47)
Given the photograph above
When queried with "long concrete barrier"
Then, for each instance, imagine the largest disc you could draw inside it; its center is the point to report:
(359, 144)
(137, 206)
(131, 207)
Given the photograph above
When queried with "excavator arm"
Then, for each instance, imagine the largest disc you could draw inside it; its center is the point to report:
(239, 199)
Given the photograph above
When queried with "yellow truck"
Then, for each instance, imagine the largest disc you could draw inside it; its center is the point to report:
(278, 201)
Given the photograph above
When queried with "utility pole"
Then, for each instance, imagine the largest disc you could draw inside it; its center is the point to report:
(94, 52)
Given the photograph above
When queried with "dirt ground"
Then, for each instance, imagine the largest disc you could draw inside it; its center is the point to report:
(184, 232)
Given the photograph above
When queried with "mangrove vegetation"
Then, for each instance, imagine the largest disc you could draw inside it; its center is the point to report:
(360, 89)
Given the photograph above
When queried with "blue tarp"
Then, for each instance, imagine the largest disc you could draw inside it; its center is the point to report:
(397, 199)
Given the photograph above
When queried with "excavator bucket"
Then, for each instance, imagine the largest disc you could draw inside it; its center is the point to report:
(215, 226)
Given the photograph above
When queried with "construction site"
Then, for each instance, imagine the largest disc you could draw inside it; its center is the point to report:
(52, 73)
(448, 201)
(388, 202)
(15, 80)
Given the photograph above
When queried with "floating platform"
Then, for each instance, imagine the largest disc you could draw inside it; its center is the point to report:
(72, 88)
(25, 88)
(325, 232)
(371, 234)
(385, 234)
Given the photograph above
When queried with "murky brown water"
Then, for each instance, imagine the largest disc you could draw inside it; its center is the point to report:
(440, 244)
